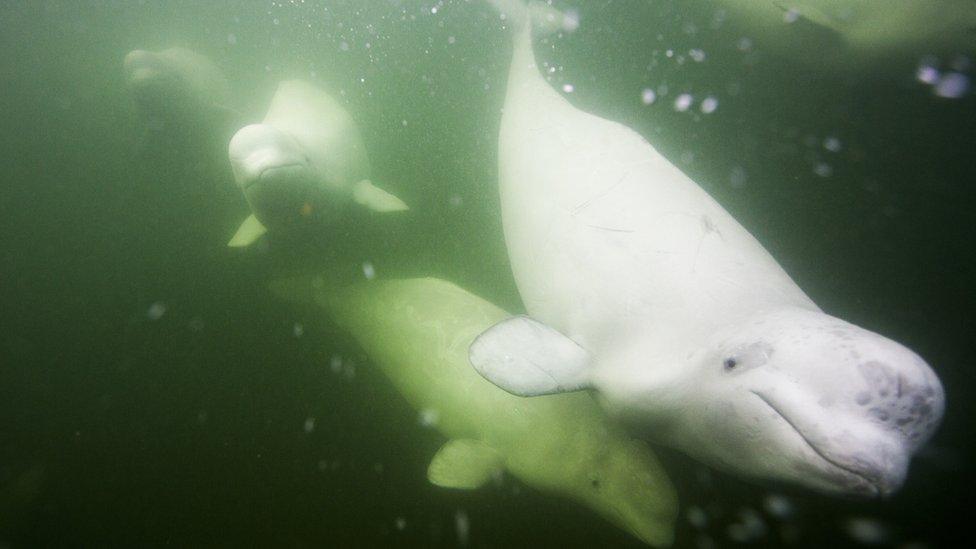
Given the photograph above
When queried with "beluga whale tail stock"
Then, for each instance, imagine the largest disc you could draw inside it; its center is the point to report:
(641, 287)
(306, 160)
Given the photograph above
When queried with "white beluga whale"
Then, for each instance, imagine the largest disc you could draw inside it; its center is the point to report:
(176, 83)
(418, 332)
(306, 159)
(641, 287)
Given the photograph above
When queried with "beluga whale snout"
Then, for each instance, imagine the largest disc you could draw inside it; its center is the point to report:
(306, 159)
(641, 287)
(274, 173)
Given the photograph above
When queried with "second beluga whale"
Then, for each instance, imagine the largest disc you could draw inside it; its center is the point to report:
(306, 159)
(643, 288)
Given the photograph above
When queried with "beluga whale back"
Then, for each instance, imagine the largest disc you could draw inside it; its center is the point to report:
(306, 159)
(640, 286)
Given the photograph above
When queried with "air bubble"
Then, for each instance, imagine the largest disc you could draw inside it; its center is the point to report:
(648, 96)
(709, 104)
(683, 102)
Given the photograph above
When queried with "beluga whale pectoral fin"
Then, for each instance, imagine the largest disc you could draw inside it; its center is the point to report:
(528, 358)
(464, 464)
(373, 198)
(248, 233)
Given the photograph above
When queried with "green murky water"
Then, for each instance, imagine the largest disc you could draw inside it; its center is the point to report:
(152, 392)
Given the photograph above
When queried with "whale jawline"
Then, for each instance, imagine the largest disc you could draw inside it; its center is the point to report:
(874, 485)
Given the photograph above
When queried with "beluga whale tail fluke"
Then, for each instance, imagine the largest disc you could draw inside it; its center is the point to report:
(641, 287)
(305, 160)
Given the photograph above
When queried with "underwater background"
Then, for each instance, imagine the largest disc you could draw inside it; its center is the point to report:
(153, 392)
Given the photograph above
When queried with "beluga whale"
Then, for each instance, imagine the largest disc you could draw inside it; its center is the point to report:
(640, 287)
(177, 85)
(305, 160)
(417, 331)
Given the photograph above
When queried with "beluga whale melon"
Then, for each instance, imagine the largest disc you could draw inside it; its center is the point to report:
(641, 287)
(305, 160)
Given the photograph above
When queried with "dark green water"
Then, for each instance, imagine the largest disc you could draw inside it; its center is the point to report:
(190, 429)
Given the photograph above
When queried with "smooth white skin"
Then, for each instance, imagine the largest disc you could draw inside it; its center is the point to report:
(173, 80)
(302, 160)
(617, 249)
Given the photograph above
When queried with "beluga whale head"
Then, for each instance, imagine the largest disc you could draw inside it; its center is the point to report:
(275, 174)
(175, 82)
(795, 396)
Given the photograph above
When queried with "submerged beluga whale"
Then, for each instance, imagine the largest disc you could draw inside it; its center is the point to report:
(177, 85)
(418, 332)
(640, 286)
(306, 159)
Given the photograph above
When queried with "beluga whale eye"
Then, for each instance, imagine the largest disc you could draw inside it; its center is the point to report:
(730, 364)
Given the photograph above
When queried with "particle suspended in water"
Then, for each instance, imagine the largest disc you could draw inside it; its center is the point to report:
(778, 506)
(231, 39)
(823, 169)
(400, 523)
(462, 526)
(683, 102)
(697, 54)
(832, 144)
(926, 73)
(571, 20)
(368, 271)
(568, 88)
(648, 96)
(697, 517)
(298, 329)
(867, 531)
(791, 15)
(156, 311)
(952, 85)
(709, 104)
(309, 425)
(335, 364)
(750, 527)
(428, 417)
(737, 177)
(744, 44)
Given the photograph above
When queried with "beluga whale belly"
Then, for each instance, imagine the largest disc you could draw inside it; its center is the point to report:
(640, 286)
(306, 159)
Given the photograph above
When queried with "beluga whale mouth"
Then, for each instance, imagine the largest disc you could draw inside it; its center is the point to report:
(869, 482)
(850, 474)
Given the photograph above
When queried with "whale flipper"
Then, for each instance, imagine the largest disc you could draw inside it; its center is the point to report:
(464, 464)
(376, 199)
(249, 231)
(528, 358)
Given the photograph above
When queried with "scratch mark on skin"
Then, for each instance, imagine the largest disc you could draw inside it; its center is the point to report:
(586, 203)
(611, 229)
(708, 227)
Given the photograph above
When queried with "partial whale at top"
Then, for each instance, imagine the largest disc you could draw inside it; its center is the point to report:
(306, 160)
(840, 35)
(643, 288)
